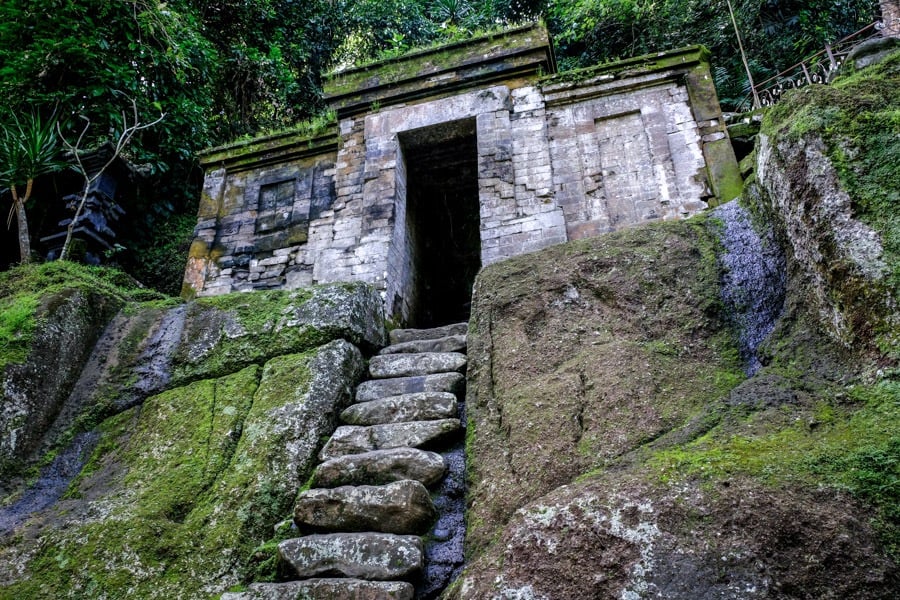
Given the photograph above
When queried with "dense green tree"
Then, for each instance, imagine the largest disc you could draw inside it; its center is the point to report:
(776, 33)
(29, 148)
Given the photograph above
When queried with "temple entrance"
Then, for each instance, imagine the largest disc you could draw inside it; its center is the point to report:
(443, 220)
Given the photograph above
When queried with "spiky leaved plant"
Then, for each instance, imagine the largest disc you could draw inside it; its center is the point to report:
(28, 149)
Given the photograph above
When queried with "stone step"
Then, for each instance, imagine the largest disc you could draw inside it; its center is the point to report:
(402, 507)
(410, 365)
(377, 389)
(379, 467)
(398, 336)
(370, 556)
(333, 589)
(450, 343)
(351, 439)
(422, 406)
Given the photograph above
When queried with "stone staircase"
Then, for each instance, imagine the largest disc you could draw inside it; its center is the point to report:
(371, 498)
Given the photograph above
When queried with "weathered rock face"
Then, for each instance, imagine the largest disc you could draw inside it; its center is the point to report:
(581, 354)
(614, 538)
(373, 556)
(616, 449)
(35, 391)
(189, 482)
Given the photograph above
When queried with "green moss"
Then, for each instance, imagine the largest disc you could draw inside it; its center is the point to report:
(112, 432)
(858, 117)
(248, 328)
(17, 323)
(851, 443)
(27, 290)
(169, 527)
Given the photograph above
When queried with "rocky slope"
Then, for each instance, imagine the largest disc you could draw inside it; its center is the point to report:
(616, 447)
(705, 409)
(194, 426)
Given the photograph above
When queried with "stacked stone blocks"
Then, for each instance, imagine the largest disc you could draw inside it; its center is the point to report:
(559, 157)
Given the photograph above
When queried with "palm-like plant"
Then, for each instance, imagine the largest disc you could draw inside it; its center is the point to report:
(450, 12)
(28, 149)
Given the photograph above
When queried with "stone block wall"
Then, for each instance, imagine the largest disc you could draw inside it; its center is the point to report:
(558, 158)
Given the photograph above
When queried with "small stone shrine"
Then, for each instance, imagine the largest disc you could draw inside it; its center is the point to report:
(447, 159)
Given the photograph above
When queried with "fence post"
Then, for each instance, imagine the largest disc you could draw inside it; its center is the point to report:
(831, 60)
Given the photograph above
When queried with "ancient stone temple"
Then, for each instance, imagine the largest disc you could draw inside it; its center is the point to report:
(447, 159)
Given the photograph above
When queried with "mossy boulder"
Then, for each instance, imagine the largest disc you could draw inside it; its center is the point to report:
(616, 449)
(827, 177)
(50, 318)
(182, 489)
(225, 333)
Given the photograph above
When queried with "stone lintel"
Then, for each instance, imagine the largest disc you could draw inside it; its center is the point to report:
(606, 85)
(490, 59)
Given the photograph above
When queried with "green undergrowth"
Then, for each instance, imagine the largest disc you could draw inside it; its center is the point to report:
(27, 289)
(858, 117)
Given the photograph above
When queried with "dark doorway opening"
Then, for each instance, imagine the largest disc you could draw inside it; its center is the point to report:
(443, 220)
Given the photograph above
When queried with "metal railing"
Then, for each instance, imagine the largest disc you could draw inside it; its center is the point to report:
(821, 67)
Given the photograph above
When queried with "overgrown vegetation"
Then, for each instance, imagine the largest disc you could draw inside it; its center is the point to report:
(24, 288)
(858, 119)
(816, 416)
(224, 70)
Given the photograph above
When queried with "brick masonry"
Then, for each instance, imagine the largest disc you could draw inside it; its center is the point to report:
(559, 158)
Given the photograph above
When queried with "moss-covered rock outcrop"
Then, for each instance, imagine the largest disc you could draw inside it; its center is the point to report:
(50, 318)
(196, 424)
(617, 450)
(616, 447)
(827, 174)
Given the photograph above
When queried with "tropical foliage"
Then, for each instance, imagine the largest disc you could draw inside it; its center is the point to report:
(229, 68)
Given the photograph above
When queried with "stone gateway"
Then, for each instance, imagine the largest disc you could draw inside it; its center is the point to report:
(448, 159)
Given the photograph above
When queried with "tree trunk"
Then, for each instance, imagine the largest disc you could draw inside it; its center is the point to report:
(22, 223)
(22, 220)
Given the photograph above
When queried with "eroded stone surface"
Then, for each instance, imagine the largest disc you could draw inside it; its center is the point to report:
(450, 343)
(402, 507)
(372, 556)
(333, 589)
(423, 406)
(408, 365)
(383, 388)
(399, 336)
(350, 439)
(379, 467)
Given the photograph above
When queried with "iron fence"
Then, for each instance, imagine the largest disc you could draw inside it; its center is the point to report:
(821, 67)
